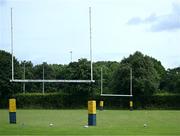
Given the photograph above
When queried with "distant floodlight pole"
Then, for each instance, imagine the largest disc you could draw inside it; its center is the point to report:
(43, 80)
(24, 76)
(71, 56)
(90, 42)
(12, 59)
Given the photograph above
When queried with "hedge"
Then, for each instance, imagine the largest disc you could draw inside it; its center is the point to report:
(145, 102)
(67, 101)
(49, 100)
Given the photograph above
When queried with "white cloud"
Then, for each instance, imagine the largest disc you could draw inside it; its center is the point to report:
(169, 22)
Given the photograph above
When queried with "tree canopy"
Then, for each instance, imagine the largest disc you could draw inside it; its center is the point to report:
(149, 76)
(146, 71)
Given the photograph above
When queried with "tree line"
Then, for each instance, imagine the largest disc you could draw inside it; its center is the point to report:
(149, 76)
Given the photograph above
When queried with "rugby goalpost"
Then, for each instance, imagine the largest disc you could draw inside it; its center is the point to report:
(117, 95)
(50, 80)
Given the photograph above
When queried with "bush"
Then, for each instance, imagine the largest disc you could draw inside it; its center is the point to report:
(158, 101)
(48, 100)
(69, 101)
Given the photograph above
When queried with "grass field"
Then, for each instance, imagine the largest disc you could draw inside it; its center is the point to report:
(109, 122)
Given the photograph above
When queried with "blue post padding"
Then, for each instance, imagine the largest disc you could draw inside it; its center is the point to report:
(12, 117)
(92, 119)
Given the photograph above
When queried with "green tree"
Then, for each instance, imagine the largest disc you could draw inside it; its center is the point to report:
(171, 81)
(75, 71)
(7, 88)
(158, 66)
(108, 68)
(48, 74)
(146, 78)
(27, 67)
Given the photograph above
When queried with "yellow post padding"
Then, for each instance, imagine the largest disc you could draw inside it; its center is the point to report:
(91, 107)
(131, 103)
(101, 103)
(12, 105)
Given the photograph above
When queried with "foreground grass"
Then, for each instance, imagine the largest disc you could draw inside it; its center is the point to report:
(109, 122)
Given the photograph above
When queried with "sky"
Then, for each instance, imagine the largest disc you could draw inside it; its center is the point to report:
(48, 30)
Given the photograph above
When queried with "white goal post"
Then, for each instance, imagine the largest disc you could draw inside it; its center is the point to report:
(117, 95)
(51, 81)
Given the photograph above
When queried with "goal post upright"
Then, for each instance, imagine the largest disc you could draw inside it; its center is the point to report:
(131, 81)
(12, 52)
(90, 42)
(101, 80)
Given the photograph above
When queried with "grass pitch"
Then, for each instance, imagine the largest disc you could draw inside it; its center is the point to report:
(109, 122)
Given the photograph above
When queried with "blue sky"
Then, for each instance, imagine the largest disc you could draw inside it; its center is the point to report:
(47, 30)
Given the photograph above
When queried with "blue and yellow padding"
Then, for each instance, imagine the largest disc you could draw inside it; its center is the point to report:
(12, 111)
(92, 113)
(131, 105)
(101, 105)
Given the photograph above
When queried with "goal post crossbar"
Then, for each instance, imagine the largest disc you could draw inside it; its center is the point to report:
(116, 95)
(51, 81)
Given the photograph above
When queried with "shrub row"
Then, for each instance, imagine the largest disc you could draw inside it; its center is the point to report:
(49, 100)
(145, 102)
(66, 101)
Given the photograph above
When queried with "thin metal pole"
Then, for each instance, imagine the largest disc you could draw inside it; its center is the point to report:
(101, 80)
(90, 42)
(12, 59)
(43, 79)
(130, 81)
(71, 56)
(24, 85)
